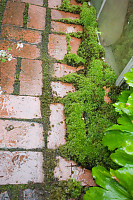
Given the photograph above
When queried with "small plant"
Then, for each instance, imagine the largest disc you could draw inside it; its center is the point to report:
(5, 55)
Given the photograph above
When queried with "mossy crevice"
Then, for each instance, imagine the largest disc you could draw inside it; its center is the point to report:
(25, 15)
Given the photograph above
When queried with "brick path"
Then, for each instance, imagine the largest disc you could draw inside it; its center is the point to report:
(21, 125)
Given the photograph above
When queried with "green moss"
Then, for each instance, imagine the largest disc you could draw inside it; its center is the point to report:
(17, 82)
(77, 35)
(25, 15)
(65, 6)
(73, 60)
(69, 21)
(68, 38)
(2, 8)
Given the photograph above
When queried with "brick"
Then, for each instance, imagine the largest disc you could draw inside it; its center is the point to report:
(57, 46)
(56, 136)
(61, 89)
(14, 13)
(73, 2)
(8, 70)
(63, 69)
(21, 107)
(66, 28)
(35, 2)
(28, 51)
(31, 77)
(74, 43)
(54, 4)
(69, 169)
(56, 14)
(20, 34)
(36, 17)
(21, 167)
(16, 134)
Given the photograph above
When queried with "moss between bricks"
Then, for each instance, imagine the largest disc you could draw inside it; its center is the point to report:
(25, 15)
(2, 8)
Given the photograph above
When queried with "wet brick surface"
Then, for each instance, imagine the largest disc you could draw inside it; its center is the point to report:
(14, 13)
(23, 107)
(57, 47)
(54, 4)
(8, 70)
(69, 169)
(56, 135)
(60, 70)
(16, 134)
(56, 14)
(28, 51)
(31, 77)
(66, 28)
(36, 17)
(35, 2)
(21, 167)
(20, 34)
(61, 89)
(74, 43)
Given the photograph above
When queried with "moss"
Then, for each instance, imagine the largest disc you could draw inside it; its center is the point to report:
(68, 38)
(2, 8)
(73, 60)
(17, 82)
(69, 21)
(65, 6)
(25, 15)
(77, 35)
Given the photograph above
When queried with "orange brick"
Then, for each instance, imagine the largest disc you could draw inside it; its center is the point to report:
(14, 13)
(28, 51)
(74, 43)
(8, 70)
(54, 4)
(20, 34)
(36, 17)
(31, 77)
(20, 107)
(35, 2)
(21, 167)
(73, 2)
(66, 28)
(61, 89)
(18, 134)
(57, 46)
(56, 14)
(56, 136)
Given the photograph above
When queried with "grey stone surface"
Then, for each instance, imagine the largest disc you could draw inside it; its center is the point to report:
(4, 196)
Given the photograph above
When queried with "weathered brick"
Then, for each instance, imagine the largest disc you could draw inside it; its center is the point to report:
(21, 34)
(69, 169)
(73, 2)
(56, 14)
(23, 107)
(16, 134)
(56, 136)
(28, 51)
(14, 13)
(8, 70)
(57, 46)
(21, 167)
(54, 4)
(61, 89)
(74, 43)
(63, 69)
(31, 77)
(35, 2)
(36, 17)
(66, 28)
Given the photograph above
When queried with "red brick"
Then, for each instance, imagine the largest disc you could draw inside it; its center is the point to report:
(56, 14)
(56, 136)
(20, 34)
(21, 107)
(62, 70)
(31, 77)
(16, 134)
(14, 13)
(61, 89)
(36, 17)
(66, 28)
(57, 46)
(54, 4)
(73, 2)
(69, 169)
(28, 51)
(74, 43)
(35, 2)
(8, 70)
(21, 167)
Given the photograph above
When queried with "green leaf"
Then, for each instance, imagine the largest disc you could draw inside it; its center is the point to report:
(125, 177)
(122, 158)
(129, 78)
(128, 146)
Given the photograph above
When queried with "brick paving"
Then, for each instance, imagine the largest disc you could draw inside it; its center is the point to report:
(22, 140)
